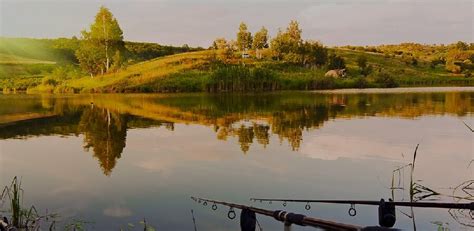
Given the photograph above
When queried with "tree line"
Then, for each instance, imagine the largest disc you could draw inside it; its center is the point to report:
(288, 46)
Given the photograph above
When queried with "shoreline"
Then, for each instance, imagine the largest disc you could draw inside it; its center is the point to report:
(427, 89)
(396, 90)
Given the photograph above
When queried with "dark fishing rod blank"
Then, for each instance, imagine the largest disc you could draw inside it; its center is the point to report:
(442, 205)
(287, 218)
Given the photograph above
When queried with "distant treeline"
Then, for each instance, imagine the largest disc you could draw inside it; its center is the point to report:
(62, 50)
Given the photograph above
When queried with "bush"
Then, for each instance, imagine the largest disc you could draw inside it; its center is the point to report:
(467, 74)
(49, 81)
(385, 80)
(361, 83)
(323, 83)
(336, 62)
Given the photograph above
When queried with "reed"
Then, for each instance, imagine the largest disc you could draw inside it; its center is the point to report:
(21, 217)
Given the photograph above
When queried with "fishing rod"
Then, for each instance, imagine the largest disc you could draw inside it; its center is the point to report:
(387, 215)
(248, 219)
(468, 206)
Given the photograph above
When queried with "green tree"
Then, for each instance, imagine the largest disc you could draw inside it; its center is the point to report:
(462, 45)
(364, 68)
(219, 44)
(294, 35)
(278, 45)
(104, 37)
(244, 37)
(260, 41)
(287, 45)
(336, 62)
(90, 56)
(362, 61)
(313, 53)
(455, 59)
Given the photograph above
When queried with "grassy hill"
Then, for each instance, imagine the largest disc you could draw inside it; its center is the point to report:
(49, 65)
(207, 70)
(24, 62)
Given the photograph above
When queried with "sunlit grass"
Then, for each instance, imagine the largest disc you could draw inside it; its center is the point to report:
(142, 73)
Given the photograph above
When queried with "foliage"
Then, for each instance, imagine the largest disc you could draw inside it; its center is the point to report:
(286, 44)
(141, 51)
(385, 80)
(103, 40)
(336, 62)
(219, 44)
(244, 38)
(260, 39)
(313, 53)
(455, 59)
(364, 68)
(91, 57)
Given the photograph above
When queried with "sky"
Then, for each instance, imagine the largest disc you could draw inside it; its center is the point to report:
(198, 23)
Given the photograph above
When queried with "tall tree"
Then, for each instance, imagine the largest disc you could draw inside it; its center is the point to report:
(278, 44)
(106, 37)
(288, 44)
(244, 38)
(294, 34)
(313, 53)
(260, 41)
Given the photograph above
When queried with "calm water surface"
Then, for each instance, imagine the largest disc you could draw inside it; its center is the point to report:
(116, 159)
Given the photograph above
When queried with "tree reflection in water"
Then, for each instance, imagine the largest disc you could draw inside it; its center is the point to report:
(105, 132)
(248, 118)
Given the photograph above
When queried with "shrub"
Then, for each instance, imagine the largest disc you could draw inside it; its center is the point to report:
(336, 62)
(361, 83)
(323, 83)
(467, 74)
(49, 81)
(385, 80)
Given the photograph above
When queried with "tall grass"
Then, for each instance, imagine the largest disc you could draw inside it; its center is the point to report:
(14, 194)
(22, 218)
(241, 78)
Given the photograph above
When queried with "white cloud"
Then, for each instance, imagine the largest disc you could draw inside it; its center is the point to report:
(199, 22)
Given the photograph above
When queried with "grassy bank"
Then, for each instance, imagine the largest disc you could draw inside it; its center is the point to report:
(212, 71)
(26, 62)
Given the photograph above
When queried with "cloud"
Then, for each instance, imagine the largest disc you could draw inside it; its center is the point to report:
(388, 22)
(199, 22)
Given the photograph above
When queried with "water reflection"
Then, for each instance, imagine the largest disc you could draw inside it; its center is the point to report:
(105, 132)
(103, 120)
(157, 150)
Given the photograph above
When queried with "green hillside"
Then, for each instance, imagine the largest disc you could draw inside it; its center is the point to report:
(204, 70)
(24, 62)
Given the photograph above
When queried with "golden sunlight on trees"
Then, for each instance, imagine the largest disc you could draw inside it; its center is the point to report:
(260, 41)
(244, 38)
(103, 41)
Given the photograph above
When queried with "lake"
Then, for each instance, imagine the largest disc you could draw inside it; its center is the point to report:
(109, 160)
